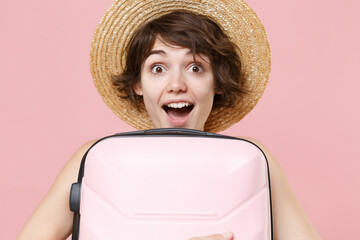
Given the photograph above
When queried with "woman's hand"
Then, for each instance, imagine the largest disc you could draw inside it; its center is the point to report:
(224, 236)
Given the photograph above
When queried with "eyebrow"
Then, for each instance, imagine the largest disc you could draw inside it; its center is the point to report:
(161, 52)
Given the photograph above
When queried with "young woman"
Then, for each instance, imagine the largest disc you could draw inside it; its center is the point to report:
(188, 64)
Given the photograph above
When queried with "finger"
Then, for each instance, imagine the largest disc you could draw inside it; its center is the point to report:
(225, 236)
(228, 235)
(210, 237)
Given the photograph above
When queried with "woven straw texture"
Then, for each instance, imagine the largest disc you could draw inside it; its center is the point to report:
(238, 20)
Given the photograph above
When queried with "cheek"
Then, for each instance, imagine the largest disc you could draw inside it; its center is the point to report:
(205, 92)
(151, 94)
(207, 98)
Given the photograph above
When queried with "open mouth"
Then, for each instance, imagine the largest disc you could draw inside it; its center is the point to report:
(178, 111)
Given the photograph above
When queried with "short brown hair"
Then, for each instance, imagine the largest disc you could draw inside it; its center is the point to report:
(189, 30)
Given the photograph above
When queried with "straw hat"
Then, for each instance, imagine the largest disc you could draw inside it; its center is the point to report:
(238, 20)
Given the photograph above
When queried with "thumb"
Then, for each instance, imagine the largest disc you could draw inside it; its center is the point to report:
(228, 235)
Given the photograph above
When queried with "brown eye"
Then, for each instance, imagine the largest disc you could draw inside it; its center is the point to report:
(196, 68)
(157, 69)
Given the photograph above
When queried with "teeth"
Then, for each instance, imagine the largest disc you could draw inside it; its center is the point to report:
(178, 105)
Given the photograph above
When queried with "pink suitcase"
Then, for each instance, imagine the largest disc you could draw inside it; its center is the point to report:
(172, 184)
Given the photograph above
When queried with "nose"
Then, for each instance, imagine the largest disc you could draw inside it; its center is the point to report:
(177, 82)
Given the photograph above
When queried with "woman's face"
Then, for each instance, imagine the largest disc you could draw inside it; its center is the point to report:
(177, 91)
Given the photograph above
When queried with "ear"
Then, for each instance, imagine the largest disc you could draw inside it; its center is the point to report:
(138, 88)
(218, 91)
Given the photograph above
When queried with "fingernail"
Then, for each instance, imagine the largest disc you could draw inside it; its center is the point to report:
(228, 235)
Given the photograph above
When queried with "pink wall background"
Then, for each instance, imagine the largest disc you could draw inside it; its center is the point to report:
(309, 116)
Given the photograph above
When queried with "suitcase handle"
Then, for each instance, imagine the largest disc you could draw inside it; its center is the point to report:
(177, 131)
(168, 131)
